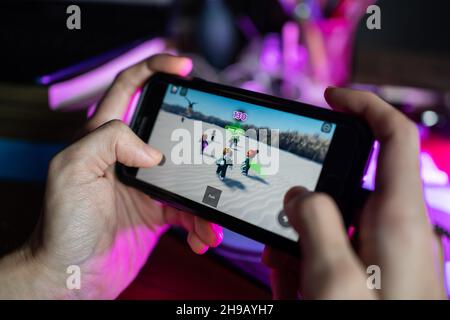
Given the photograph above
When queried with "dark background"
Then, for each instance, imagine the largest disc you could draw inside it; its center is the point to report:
(35, 41)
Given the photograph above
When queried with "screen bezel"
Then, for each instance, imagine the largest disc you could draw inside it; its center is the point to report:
(344, 164)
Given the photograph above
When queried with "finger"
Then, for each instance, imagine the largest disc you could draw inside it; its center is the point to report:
(398, 162)
(205, 233)
(115, 102)
(113, 142)
(277, 259)
(210, 233)
(296, 191)
(319, 224)
(178, 218)
(284, 284)
(196, 244)
(329, 267)
(284, 273)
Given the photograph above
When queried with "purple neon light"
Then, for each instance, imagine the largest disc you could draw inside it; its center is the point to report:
(291, 53)
(129, 112)
(436, 192)
(271, 54)
(436, 186)
(91, 110)
(87, 88)
(431, 174)
(83, 66)
(132, 106)
(247, 27)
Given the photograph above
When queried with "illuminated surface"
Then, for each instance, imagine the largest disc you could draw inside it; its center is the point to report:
(86, 89)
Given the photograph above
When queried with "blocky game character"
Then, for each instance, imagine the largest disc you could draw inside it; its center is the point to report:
(234, 141)
(204, 142)
(223, 163)
(190, 108)
(245, 166)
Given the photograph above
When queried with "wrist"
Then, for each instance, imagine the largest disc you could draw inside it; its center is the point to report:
(22, 276)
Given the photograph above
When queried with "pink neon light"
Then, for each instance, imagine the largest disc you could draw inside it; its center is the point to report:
(439, 148)
(351, 231)
(187, 68)
(127, 257)
(431, 174)
(45, 80)
(132, 106)
(91, 110)
(271, 54)
(447, 271)
(253, 86)
(87, 88)
(369, 178)
(436, 192)
(290, 37)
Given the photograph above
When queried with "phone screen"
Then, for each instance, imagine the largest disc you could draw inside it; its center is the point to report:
(237, 157)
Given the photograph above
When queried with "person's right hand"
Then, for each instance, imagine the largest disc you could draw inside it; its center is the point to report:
(394, 231)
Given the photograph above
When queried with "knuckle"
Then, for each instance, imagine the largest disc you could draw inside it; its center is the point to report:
(410, 130)
(122, 80)
(64, 160)
(121, 77)
(56, 162)
(398, 214)
(150, 61)
(153, 61)
(115, 125)
(405, 128)
(369, 96)
(115, 130)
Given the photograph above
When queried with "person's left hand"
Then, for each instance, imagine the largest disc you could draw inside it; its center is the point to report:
(94, 221)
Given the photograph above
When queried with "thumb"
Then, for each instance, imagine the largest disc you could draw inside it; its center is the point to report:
(316, 218)
(328, 261)
(110, 143)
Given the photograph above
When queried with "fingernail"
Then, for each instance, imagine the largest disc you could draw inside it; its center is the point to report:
(218, 231)
(158, 203)
(187, 67)
(219, 238)
(163, 160)
(203, 250)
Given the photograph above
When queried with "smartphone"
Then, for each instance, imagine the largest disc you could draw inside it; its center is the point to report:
(230, 155)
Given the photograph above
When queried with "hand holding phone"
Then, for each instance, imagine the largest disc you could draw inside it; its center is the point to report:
(92, 221)
(395, 254)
